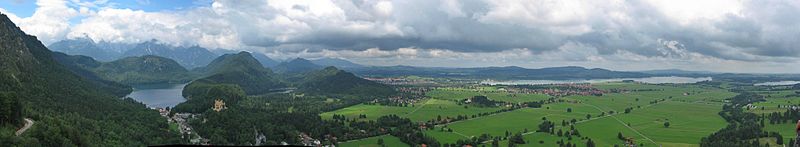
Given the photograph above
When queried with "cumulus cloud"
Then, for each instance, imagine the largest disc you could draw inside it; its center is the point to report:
(712, 34)
(50, 21)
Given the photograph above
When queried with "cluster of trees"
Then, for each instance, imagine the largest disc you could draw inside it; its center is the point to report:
(200, 96)
(447, 119)
(10, 109)
(534, 104)
(658, 100)
(546, 126)
(743, 127)
(788, 116)
(408, 131)
(483, 101)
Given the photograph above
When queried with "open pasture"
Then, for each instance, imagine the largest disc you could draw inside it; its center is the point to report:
(427, 110)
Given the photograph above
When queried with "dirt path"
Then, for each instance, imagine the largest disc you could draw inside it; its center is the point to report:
(28, 124)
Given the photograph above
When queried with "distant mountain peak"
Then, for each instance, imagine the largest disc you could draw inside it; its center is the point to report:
(298, 59)
(338, 62)
(297, 65)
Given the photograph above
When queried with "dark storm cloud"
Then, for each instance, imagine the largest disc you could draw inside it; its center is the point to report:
(761, 29)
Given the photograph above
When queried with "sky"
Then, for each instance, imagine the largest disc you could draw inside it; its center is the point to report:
(740, 36)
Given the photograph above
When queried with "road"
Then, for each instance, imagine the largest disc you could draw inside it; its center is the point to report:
(28, 124)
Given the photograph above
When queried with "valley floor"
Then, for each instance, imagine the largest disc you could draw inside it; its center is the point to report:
(691, 112)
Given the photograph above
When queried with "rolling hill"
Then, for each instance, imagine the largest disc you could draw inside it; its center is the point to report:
(334, 81)
(131, 70)
(296, 66)
(240, 69)
(143, 70)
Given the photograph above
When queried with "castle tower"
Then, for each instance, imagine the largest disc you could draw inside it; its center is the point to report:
(218, 105)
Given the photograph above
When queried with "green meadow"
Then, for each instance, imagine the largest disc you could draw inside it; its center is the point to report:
(690, 110)
(388, 140)
(492, 93)
(427, 110)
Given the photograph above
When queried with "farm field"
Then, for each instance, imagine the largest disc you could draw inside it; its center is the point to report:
(492, 93)
(690, 110)
(773, 100)
(388, 140)
(427, 110)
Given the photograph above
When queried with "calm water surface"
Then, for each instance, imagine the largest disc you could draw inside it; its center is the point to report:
(777, 83)
(158, 95)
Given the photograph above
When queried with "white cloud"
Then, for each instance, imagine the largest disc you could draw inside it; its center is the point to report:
(50, 21)
(711, 34)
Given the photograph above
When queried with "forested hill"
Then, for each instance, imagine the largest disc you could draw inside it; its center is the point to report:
(144, 69)
(334, 81)
(297, 66)
(241, 69)
(68, 110)
(130, 70)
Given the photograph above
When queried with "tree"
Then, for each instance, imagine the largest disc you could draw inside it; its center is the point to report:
(779, 139)
(569, 109)
(516, 139)
(495, 143)
(588, 116)
(619, 135)
(380, 141)
(10, 109)
(590, 143)
(666, 124)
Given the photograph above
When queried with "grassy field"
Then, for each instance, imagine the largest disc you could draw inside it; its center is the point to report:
(496, 125)
(775, 98)
(494, 94)
(690, 110)
(388, 140)
(427, 110)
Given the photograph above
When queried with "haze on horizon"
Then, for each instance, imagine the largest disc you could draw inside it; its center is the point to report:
(743, 36)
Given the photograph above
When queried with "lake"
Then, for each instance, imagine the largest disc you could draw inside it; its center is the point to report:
(158, 95)
(777, 83)
(651, 80)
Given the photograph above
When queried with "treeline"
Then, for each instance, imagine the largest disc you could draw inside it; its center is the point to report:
(788, 116)
(744, 128)
(409, 132)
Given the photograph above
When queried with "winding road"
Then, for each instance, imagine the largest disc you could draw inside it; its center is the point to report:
(28, 123)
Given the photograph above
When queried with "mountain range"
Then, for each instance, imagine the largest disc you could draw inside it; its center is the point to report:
(188, 57)
(198, 57)
(145, 69)
(295, 66)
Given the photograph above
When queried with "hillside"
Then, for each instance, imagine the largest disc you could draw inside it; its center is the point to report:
(130, 70)
(82, 66)
(69, 110)
(295, 66)
(240, 69)
(334, 81)
(264, 60)
(143, 70)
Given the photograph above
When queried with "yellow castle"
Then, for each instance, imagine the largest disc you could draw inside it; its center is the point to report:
(218, 105)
